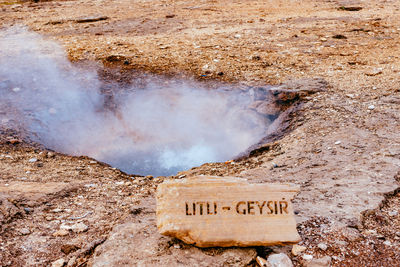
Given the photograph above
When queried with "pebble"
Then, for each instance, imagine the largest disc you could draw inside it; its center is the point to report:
(322, 262)
(393, 213)
(237, 36)
(28, 210)
(119, 183)
(374, 72)
(322, 246)
(307, 257)
(79, 228)
(371, 107)
(65, 227)
(50, 154)
(16, 89)
(58, 263)
(61, 232)
(387, 243)
(24, 231)
(177, 246)
(279, 260)
(32, 160)
(261, 261)
(338, 142)
(297, 249)
(71, 261)
(57, 210)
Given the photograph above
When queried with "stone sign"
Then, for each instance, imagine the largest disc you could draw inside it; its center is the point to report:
(226, 211)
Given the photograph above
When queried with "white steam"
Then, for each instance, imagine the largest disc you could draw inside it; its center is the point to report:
(158, 130)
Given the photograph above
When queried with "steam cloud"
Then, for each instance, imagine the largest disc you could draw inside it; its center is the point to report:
(157, 130)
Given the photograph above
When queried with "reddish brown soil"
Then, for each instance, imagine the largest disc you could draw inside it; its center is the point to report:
(348, 197)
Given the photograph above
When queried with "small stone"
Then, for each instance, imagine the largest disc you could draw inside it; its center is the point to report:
(68, 248)
(71, 261)
(371, 107)
(57, 210)
(61, 232)
(50, 155)
(24, 231)
(341, 243)
(339, 36)
(387, 243)
(393, 213)
(374, 72)
(177, 246)
(322, 246)
(237, 36)
(79, 227)
(92, 162)
(338, 142)
(120, 183)
(322, 262)
(65, 227)
(58, 263)
(370, 232)
(28, 210)
(91, 19)
(279, 260)
(32, 160)
(297, 249)
(322, 39)
(261, 261)
(307, 257)
(16, 89)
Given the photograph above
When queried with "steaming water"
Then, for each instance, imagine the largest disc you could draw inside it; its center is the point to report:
(158, 130)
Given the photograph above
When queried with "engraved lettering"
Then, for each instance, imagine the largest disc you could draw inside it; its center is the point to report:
(271, 208)
(283, 206)
(187, 209)
(208, 209)
(243, 210)
(201, 207)
(261, 206)
(250, 207)
(276, 207)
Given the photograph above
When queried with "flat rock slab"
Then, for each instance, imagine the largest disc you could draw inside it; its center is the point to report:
(212, 211)
(139, 244)
(34, 191)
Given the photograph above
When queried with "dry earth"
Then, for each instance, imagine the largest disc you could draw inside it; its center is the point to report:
(340, 144)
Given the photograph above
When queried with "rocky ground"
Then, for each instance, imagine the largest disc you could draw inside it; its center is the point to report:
(340, 143)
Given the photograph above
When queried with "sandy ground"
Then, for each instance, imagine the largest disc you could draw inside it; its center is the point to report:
(341, 145)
